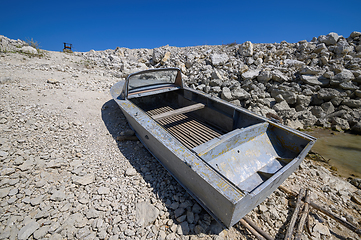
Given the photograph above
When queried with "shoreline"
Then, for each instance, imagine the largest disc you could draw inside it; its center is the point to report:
(336, 160)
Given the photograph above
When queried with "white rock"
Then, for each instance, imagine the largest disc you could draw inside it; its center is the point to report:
(28, 49)
(246, 49)
(103, 190)
(84, 180)
(251, 74)
(26, 231)
(130, 172)
(219, 59)
(146, 213)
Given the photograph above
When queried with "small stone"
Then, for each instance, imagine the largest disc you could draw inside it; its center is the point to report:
(129, 232)
(56, 236)
(84, 180)
(58, 196)
(178, 212)
(130, 172)
(7, 171)
(36, 201)
(219, 59)
(174, 205)
(13, 192)
(103, 190)
(183, 228)
(4, 192)
(146, 213)
(92, 213)
(196, 209)
(3, 154)
(190, 217)
(52, 81)
(28, 49)
(41, 232)
(26, 231)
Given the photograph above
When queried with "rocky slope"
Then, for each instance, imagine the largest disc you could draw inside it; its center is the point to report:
(64, 175)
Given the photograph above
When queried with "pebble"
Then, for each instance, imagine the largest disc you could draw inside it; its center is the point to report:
(26, 231)
(58, 196)
(84, 180)
(130, 172)
(103, 190)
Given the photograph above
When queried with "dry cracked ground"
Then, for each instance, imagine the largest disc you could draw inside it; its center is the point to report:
(64, 175)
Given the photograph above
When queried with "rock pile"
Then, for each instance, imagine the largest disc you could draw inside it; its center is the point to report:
(63, 175)
(304, 83)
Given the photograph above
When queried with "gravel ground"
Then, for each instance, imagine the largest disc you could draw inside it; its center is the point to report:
(64, 176)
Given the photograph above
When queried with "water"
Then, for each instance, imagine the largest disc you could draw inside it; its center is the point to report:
(343, 150)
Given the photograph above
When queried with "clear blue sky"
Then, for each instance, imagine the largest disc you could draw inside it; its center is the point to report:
(101, 25)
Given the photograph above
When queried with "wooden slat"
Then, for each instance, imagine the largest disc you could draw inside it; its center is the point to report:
(178, 111)
(185, 127)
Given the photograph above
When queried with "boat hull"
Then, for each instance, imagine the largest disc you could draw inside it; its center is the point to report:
(226, 197)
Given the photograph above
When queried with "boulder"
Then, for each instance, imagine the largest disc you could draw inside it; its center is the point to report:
(314, 80)
(281, 106)
(352, 103)
(328, 93)
(343, 48)
(311, 71)
(279, 76)
(318, 112)
(240, 94)
(219, 59)
(329, 39)
(328, 107)
(320, 47)
(251, 74)
(157, 55)
(304, 100)
(355, 34)
(348, 86)
(246, 49)
(226, 94)
(264, 76)
(28, 49)
(288, 96)
(340, 124)
(216, 75)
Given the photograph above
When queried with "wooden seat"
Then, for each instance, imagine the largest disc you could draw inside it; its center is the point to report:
(179, 111)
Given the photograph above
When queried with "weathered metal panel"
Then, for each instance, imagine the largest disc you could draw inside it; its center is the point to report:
(211, 189)
(226, 175)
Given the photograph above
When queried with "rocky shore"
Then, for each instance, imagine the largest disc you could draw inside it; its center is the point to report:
(64, 175)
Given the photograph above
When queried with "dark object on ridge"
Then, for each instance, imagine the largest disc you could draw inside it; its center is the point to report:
(67, 47)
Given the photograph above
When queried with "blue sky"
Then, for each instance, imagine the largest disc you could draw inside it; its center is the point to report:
(101, 25)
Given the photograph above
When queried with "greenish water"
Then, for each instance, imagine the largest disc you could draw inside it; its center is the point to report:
(343, 150)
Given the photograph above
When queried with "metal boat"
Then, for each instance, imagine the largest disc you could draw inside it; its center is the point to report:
(228, 158)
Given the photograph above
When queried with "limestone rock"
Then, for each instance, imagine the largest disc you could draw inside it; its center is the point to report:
(329, 39)
(250, 74)
(219, 59)
(246, 49)
(84, 180)
(26, 231)
(28, 49)
(146, 213)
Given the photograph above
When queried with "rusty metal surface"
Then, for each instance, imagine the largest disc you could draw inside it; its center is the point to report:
(228, 173)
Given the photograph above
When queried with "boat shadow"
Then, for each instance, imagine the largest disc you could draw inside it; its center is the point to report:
(163, 185)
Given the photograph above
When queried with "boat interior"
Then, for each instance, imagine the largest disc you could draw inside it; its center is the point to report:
(243, 147)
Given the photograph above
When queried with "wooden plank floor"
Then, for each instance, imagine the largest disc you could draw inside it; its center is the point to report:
(186, 128)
